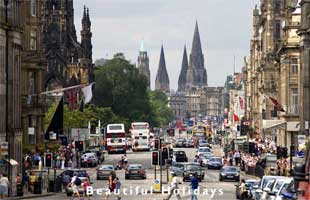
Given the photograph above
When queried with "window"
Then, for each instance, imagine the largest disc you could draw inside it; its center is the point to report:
(33, 40)
(294, 66)
(294, 101)
(33, 8)
(277, 30)
(31, 82)
(277, 6)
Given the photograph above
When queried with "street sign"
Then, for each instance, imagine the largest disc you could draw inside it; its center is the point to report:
(157, 185)
(4, 148)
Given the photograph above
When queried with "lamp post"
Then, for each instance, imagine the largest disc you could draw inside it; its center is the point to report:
(7, 129)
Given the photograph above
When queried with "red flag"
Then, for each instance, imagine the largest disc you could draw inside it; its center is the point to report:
(277, 105)
(236, 118)
(72, 99)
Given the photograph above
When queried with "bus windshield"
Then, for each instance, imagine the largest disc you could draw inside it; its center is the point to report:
(140, 126)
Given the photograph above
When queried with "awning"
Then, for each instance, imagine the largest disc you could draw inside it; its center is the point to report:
(273, 124)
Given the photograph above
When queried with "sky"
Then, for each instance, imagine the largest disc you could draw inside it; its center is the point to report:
(120, 25)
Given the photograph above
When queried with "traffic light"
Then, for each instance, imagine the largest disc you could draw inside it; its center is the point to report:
(79, 145)
(48, 160)
(155, 158)
(165, 153)
(157, 144)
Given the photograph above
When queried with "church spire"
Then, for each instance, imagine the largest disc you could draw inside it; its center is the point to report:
(184, 68)
(162, 78)
(196, 46)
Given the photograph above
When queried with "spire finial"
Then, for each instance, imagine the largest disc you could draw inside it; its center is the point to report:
(142, 46)
(84, 13)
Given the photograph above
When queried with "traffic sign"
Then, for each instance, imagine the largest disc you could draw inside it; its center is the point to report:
(157, 185)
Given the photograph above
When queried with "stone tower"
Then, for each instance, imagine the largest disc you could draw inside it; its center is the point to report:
(143, 64)
(68, 61)
(162, 78)
(184, 68)
(197, 61)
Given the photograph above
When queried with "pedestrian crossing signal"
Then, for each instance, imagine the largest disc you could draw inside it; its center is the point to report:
(155, 158)
(48, 160)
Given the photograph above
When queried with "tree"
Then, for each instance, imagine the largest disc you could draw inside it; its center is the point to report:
(119, 85)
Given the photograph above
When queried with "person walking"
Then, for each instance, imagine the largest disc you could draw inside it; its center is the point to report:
(111, 185)
(194, 186)
(4, 186)
(117, 184)
(174, 187)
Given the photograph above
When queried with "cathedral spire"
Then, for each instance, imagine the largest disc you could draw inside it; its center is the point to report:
(162, 78)
(184, 68)
(196, 46)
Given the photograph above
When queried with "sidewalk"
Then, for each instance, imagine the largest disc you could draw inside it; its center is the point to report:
(32, 196)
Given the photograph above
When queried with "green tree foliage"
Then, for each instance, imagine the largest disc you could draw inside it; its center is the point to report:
(119, 85)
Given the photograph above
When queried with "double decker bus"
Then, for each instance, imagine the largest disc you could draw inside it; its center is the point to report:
(140, 136)
(202, 131)
(116, 138)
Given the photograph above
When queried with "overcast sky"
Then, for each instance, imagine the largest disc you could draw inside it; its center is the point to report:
(120, 26)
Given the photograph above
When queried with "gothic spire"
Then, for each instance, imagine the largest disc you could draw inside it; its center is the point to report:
(162, 78)
(196, 46)
(184, 68)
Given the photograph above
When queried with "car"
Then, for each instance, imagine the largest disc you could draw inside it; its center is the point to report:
(189, 143)
(81, 173)
(262, 184)
(89, 160)
(193, 168)
(177, 169)
(180, 142)
(202, 150)
(229, 172)
(180, 156)
(135, 170)
(104, 171)
(203, 143)
(205, 158)
(286, 191)
(99, 154)
(249, 184)
(272, 190)
(215, 163)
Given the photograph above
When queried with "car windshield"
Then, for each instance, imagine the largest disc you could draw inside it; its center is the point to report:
(82, 173)
(135, 167)
(278, 185)
(204, 150)
(203, 142)
(106, 167)
(265, 181)
(230, 169)
(192, 167)
(206, 155)
(215, 159)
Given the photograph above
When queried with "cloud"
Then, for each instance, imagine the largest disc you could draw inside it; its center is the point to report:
(120, 25)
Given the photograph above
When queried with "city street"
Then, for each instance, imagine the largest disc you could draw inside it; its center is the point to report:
(210, 185)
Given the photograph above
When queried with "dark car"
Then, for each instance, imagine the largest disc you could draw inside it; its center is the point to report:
(193, 168)
(177, 169)
(249, 183)
(180, 156)
(215, 163)
(104, 171)
(229, 172)
(135, 170)
(180, 142)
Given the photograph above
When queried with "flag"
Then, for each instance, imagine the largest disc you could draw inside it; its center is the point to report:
(236, 118)
(88, 93)
(277, 105)
(72, 99)
(56, 124)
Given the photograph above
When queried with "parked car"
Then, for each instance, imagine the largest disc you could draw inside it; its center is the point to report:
(215, 163)
(275, 188)
(262, 184)
(190, 143)
(229, 172)
(180, 142)
(177, 169)
(135, 170)
(193, 168)
(89, 160)
(249, 184)
(205, 158)
(104, 171)
(180, 156)
(202, 150)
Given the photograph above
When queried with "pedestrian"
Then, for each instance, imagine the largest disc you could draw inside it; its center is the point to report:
(237, 157)
(111, 184)
(63, 162)
(174, 189)
(117, 184)
(65, 179)
(125, 160)
(32, 180)
(25, 181)
(4, 186)
(75, 183)
(194, 186)
(85, 185)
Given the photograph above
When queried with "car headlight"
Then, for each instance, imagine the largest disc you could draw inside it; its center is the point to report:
(237, 174)
(223, 174)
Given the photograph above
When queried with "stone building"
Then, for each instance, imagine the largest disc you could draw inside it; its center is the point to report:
(162, 78)
(32, 73)
(143, 64)
(10, 65)
(214, 101)
(177, 103)
(69, 62)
